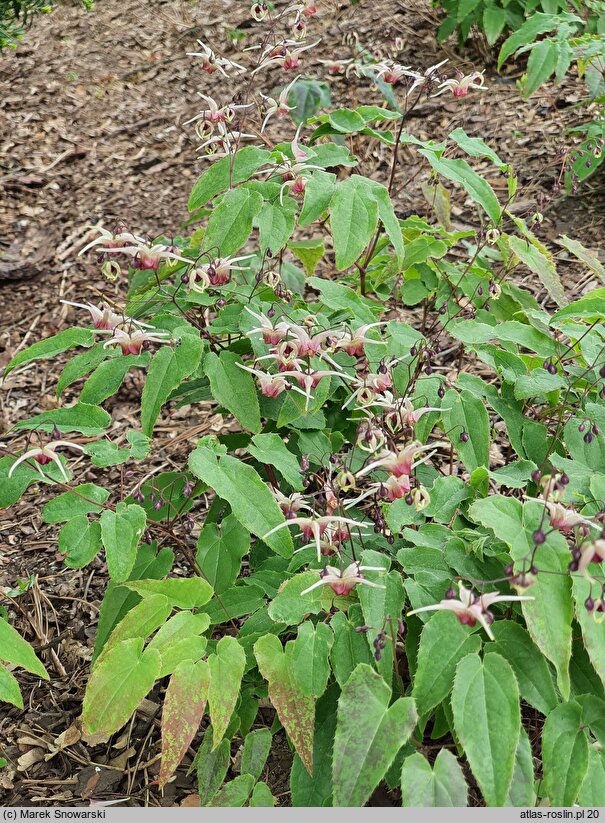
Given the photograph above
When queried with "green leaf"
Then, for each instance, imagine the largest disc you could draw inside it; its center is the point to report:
(541, 264)
(220, 175)
(117, 686)
(107, 378)
(14, 649)
(275, 223)
(88, 420)
(80, 365)
(46, 349)
(9, 690)
(346, 121)
(541, 64)
(289, 605)
(592, 791)
(271, 450)
(487, 720)
(530, 667)
(592, 632)
(386, 212)
(447, 493)
(250, 499)
(230, 223)
(178, 639)
(261, 796)
(233, 388)
(564, 754)
(141, 621)
(79, 541)
(514, 475)
(443, 644)
(235, 602)
(118, 600)
(521, 792)
(460, 172)
(182, 713)
(257, 746)
(211, 765)
(467, 413)
(421, 249)
(121, 531)
(353, 220)
(342, 298)
(81, 500)
(465, 7)
(369, 733)
(586, 256)
(295, 710)
(536, 24)
(235, 793)
(381, 606)
(307, 96)
(319, 190)
(104, 453)
(309, 252)
(182, 592)
(226, 669)
(475, 146)
(548, 616)
(173, 639)
(592, 305)
(349, 648)
(168, 368)
(472, 332)
(310, 657)
(593, 715)
(442, 785)
(220, 550)
(494, 20)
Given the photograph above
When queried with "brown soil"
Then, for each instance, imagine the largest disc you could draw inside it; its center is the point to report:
(92, 131)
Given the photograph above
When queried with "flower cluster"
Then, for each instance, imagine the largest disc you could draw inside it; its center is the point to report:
(471, 608)
(143, 253)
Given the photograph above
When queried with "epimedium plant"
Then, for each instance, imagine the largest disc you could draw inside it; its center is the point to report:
(397, 538)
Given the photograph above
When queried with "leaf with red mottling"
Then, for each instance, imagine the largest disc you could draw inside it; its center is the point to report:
(226, 669)
(295, 709)
(183, 710)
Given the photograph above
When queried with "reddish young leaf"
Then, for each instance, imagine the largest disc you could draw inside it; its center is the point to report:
(295, 709)
(183, 710)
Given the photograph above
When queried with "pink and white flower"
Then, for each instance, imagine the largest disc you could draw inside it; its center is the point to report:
(591, 552)
(278, 107)
(471, 608)
(272, 333)
(212, 63)
(132, 341)
(353, 342)
(342, 581)
(461, 85)
(287, 55)
(103, 317)
(43, 455)
(313, 527)
(214, 113)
